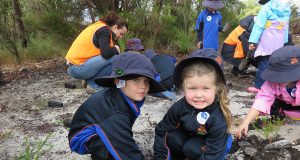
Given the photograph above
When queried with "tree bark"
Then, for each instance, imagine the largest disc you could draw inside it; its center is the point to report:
(90, 7)
(19, 22)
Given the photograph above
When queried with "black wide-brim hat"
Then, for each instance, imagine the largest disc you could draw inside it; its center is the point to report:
(215, 4)
(284, 65)
(208, 55)
(130, 65)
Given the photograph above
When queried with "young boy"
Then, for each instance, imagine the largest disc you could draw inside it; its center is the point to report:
(102, 125)
(208, 24)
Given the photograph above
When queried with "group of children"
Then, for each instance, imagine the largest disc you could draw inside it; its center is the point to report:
(195, 127)
(198, 125)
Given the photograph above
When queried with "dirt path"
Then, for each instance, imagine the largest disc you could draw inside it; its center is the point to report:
(24, 111)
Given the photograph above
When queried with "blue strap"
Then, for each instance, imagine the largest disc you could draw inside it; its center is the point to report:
(77, 143)
(229, 143)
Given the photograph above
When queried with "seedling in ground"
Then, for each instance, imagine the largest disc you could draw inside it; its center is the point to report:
(269, 126)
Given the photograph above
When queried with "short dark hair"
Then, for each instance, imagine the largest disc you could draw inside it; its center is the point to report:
(112, 19)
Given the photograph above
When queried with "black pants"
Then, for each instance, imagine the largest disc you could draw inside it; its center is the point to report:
(184, 145)
(279, 104)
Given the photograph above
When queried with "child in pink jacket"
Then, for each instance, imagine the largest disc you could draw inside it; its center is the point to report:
(281, 89)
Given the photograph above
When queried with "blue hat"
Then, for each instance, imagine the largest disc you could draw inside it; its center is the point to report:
(128, 65)
(208, 55)
(134, 44)
(284, 65)
(215, 4)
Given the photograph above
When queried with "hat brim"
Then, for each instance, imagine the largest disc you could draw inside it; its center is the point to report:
(213, 4)
(281, 77)
(150, 53)
(177, 79)
(108, 81)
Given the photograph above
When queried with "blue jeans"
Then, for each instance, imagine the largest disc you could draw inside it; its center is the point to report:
(92, 68)
(263, 63)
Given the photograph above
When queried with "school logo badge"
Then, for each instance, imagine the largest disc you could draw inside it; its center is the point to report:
(119, 71)
(208, 18)
(202, 130)
(202, 117)
(219, 60)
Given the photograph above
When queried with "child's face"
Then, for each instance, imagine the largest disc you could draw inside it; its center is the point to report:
(136, 89)
(200, 91)
(211, 9)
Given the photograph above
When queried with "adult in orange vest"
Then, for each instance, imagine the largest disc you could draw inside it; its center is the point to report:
(91, 53)
(235, 46)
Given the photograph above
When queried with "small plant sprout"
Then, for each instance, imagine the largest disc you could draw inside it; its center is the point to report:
(269, 126)
(34, 150)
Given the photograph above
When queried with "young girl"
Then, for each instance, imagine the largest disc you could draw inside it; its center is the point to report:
(269, 32)
(196, 126)
(102, 125)
(280, 93)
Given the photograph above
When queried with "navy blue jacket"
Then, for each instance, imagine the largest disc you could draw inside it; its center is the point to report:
(182, 115)
(208, 26)
(102, 126)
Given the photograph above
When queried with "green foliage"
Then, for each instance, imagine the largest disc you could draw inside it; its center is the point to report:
(270, 126)
(40, 47)
(295, 21)
(185, 42)
(33, 151)
(251, 8)
(52, 26)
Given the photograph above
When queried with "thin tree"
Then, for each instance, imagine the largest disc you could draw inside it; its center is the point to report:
(19, 22)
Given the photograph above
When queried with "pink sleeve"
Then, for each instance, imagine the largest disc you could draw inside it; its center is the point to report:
(265, 98)
(297, 99)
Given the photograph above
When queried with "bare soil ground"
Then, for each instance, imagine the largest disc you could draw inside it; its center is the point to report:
(26, 116)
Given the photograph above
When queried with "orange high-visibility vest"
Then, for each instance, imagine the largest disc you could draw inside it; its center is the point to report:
(233, 39)
(83, 47)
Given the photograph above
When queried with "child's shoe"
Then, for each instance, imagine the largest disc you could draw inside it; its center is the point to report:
(83, 83)
(253, 89)
(245, 63)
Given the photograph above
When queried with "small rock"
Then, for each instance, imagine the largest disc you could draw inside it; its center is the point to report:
(23, 69)
(285, 155)
(70, 85)
(67, 122)
(279, 144)
(55, 104)
(248, 148)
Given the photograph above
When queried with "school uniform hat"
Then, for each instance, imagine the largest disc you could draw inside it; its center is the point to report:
(150, 53)
(284, 65)
(129, 65)
(134, 44)
(262, 2)
(206, 54)
(215, 4)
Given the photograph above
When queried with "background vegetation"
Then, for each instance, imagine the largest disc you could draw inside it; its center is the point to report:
(39, 29)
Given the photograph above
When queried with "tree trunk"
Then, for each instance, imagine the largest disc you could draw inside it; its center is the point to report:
(90, 7)
(19, 22)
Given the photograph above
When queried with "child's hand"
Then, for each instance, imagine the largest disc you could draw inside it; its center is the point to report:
(118, 48)
(241, 130)
(251, 47)
(199, 44)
